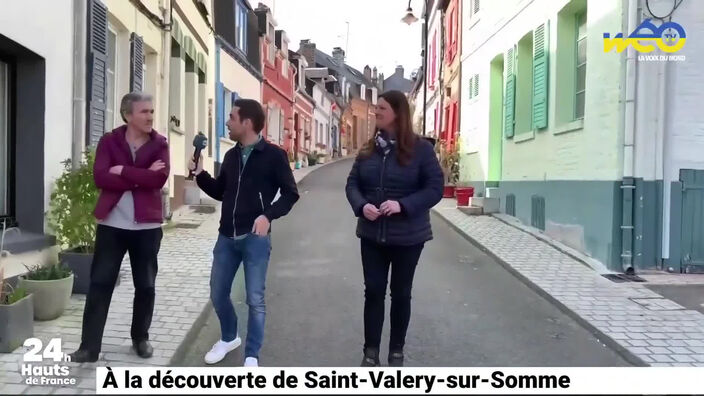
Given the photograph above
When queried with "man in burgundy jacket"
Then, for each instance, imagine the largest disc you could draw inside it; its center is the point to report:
(131, 167)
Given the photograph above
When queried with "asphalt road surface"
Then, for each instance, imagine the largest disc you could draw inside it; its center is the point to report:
(467, 309)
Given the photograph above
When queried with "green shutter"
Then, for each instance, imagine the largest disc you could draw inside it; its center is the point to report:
(476, 85)
(541, 66)
(510, 92)
(471, 87)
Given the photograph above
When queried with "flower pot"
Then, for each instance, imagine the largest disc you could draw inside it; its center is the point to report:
(16, 324)
(298, 165)
(448, 192)
(79, 263)
(464, 190)
(51, 297)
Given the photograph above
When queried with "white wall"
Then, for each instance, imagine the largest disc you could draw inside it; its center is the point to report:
(321, 115)
(682, 93)
(46, 28)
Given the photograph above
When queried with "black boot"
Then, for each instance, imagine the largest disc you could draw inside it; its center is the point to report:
(371, 358)
(83, 356)
(143, 348)
(396, 358)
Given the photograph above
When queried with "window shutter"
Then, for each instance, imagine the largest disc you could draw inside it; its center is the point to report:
(540, 76)
(97, 62)
(476, 6)
(509, 93)
(220, 109)
(253, 45)
(136, 62)
(471, 87)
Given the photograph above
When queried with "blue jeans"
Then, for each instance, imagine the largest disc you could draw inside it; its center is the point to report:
(254, 252)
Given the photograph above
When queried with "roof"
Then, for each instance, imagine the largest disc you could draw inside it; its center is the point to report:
(350, 72)
(398, 82)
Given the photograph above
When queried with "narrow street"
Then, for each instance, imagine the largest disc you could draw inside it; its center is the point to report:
(467, 309)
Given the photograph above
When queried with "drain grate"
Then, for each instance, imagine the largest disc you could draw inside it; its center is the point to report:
(621, 278)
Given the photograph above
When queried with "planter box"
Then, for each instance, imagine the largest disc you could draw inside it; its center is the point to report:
(50, 297)
(448, 192)
(16, 324)
(80, 266)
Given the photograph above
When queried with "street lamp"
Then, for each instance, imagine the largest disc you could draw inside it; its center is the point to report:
(409, 18)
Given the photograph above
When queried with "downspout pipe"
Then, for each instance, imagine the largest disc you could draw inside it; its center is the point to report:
(628, 182)
(80, 44)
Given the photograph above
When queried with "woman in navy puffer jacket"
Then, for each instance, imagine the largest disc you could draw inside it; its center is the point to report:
(394, 182)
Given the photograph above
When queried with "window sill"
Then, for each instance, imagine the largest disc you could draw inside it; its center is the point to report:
(474, 20)
(569, 127)
(524, 136)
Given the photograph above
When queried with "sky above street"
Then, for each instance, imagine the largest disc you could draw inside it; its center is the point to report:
(377, 37)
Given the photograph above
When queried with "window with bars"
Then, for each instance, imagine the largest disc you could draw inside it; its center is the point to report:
(474, 8)
(581, 63)
(473, 86)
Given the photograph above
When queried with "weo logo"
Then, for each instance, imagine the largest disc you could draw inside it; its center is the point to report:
(669, 37)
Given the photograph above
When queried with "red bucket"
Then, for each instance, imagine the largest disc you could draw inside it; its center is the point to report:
(448, 192)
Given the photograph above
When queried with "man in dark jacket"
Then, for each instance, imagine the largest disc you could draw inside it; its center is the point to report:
(251, 175)
(131, 166)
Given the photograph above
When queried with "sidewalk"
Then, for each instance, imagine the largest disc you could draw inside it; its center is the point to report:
(182, 296)
(644, 327)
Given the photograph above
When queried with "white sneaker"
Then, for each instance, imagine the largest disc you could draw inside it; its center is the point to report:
(251, 362)
(220, 349)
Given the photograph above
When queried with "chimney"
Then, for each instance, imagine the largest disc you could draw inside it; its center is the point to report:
(399, 70)
(339, 55)
(307, 49)
(374, 73)
(367, 72)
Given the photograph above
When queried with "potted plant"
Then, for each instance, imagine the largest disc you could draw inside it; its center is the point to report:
(312, 159)
(71, 218)
(450, 163)
(51, 286)
(16, 307)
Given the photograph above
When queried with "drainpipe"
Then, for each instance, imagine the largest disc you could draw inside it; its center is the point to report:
(660, 156)
(628, 182)
(166, 11)
(80, 42)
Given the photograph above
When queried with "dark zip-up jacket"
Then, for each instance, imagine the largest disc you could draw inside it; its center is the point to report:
(247, 191)
(417, 187)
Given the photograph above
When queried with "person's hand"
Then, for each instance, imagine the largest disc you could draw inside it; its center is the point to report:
(370, 212)
(116, 170)
(389, 208)
(261, 226)
(196, 168)
(157, 166)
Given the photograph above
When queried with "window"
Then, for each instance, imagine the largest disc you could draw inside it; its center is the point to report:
(284, 67)
(4, 140)
(272, 44)
(581, 63)
(241, 26)
(111, 76)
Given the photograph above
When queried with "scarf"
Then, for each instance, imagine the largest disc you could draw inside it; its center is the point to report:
(384, 142)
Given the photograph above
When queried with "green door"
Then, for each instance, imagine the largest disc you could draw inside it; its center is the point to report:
(692, 220)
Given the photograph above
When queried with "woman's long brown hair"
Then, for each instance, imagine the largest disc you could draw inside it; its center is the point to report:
(405, 137)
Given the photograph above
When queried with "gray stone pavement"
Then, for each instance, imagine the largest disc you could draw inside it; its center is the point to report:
(629, 316)
(182, 293)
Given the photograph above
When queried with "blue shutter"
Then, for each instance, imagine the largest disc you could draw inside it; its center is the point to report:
(220, 109)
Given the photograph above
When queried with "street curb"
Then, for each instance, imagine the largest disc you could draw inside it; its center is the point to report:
(198, 324)
(600, 335)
